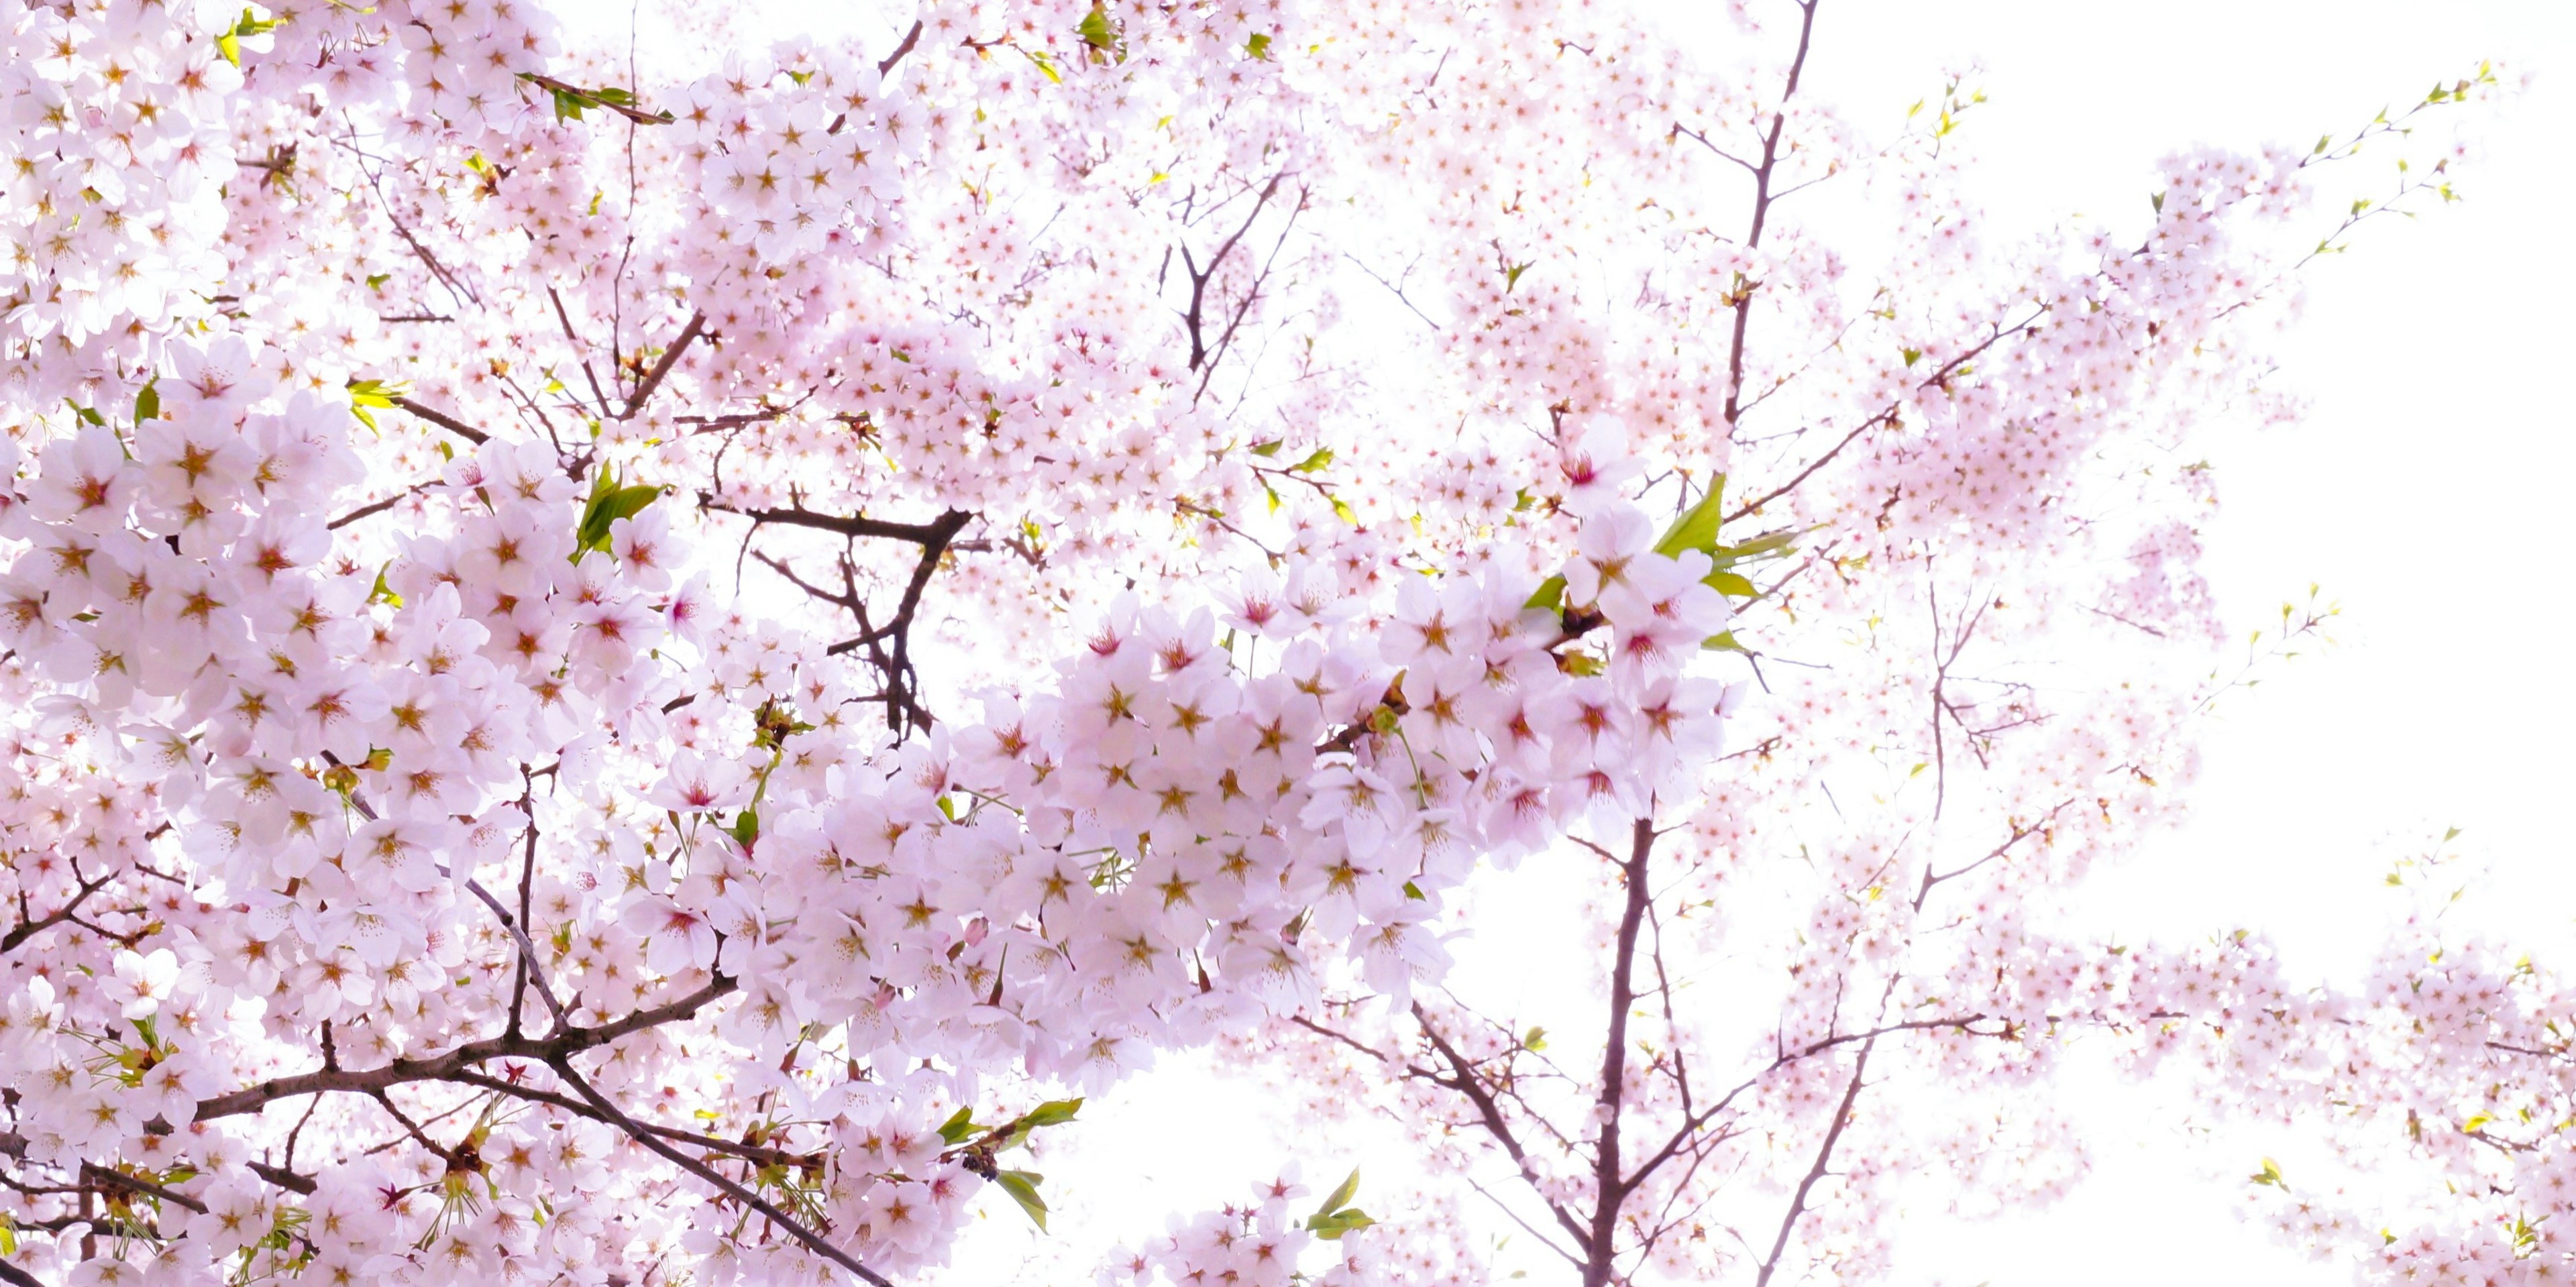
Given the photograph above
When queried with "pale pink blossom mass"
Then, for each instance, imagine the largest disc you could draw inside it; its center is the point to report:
(634, 666)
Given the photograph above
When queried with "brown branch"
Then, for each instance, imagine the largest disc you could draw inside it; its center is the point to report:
(1824, 1157)
(284, 1179)
(1610, 1186)
(70, 911)
(561, 1044)
(670, 358)
(580, 348)
(939, 530)
(910, 38)
(1762, 199)
(443, 420)
(748, 1152)
(796, 1229)
(1199, 277)
(95, 1173)
(373, 508)
(1466, 1082)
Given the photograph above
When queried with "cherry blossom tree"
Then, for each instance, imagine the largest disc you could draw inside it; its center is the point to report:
(644, 664)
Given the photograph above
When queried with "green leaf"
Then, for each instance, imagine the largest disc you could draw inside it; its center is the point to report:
(1023, 1188)
(746, 826)
(364, 394)
(1319, 459)
(376, 281)
(374, 393)
(1330, 1228)
(1258, 45)
(88, 415)
(1512, 276)
(1723, 643)
(609, 502)
(1270, 448)
(1414, 891)
(1096, 30)
(1733, 584)
(1696, 529)
(1534, 1040)
(1343, 512)
(2270, 1174)
(1760, 547)
(1054, 1112)
(384, 593)
(1340, 1197)
(147, 404)
(1045, 65)
(1550, 594)
(958, 1127)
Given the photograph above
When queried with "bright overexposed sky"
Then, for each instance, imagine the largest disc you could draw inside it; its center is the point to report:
(2426, 491)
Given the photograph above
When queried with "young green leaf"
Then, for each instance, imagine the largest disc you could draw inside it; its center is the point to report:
(1330, 1228)
(1696, 529)
(1023, 1188)
(1097, 30)
(1733, 585)
(1340, 1197)
(1054, 1112)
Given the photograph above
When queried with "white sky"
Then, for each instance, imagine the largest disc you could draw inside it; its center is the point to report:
(2423, 493)
(2427, 492)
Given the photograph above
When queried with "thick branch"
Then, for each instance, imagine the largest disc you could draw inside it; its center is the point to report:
(939, 530)
(561, 1044)
(910, 38)
(1609, 1183)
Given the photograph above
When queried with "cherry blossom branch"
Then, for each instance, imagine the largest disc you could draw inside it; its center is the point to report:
(561, 1044)
(1192, 319)
(910, 38)
(527, 951)
(69, 911)
(662, 369)
(795, 1228)
(748, 1152)
(581, 350)
(1887, 415)
(1610, 1186)
(1466, 1081)
(1762, 198)
(939, 530)
(1824, 1158)
(443, 420)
